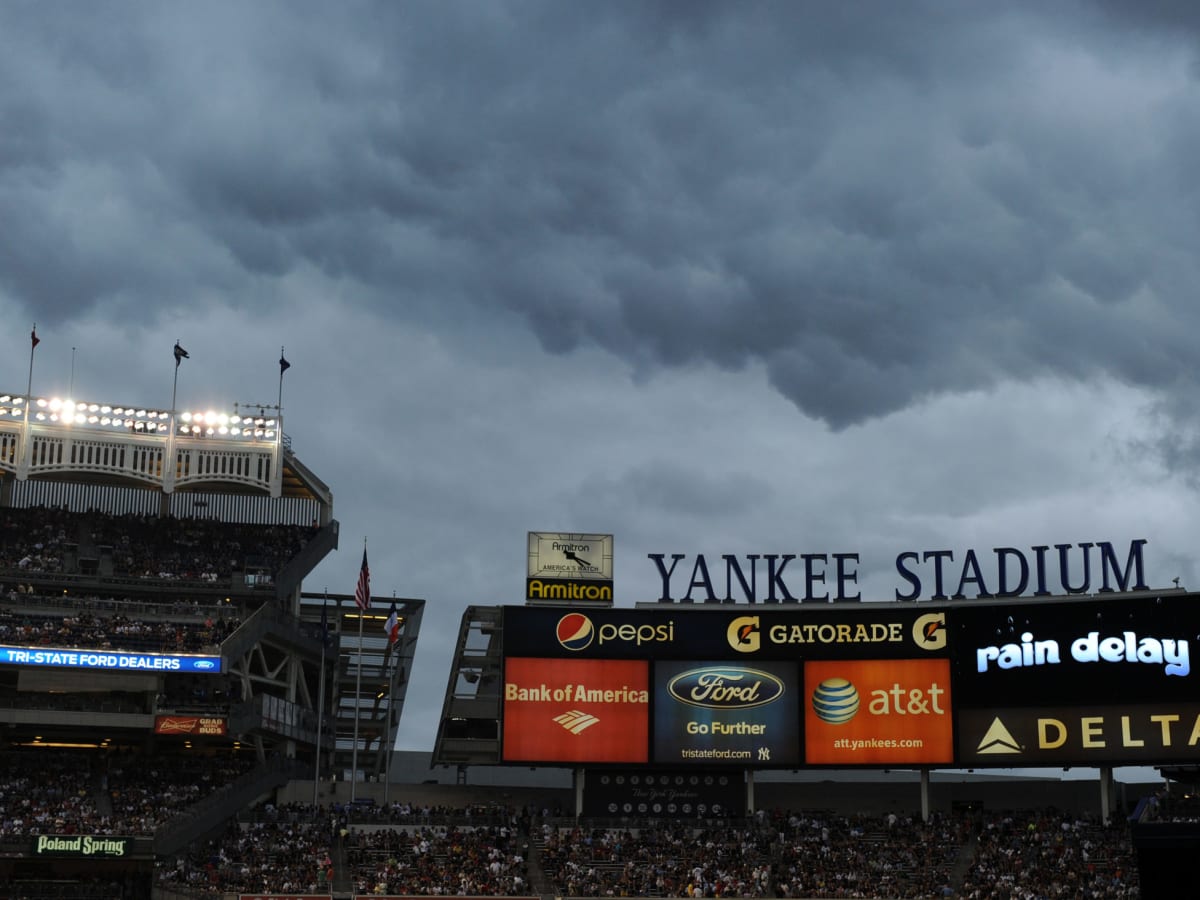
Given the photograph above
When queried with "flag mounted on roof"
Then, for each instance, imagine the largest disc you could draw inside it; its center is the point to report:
(392, 626)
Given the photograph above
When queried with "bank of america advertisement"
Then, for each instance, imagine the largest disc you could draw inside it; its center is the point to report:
(576, 711)
(714, 712)
(878, 712)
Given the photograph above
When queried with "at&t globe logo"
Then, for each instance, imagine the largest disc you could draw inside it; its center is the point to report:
(835, 701)
(575, 631)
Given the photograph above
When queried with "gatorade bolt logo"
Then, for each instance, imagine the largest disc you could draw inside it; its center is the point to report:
(835, 701)
(929, 631)
(743, 634)
(575, 631)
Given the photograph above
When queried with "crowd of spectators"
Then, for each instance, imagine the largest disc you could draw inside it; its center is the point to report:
(661, 861)
(259, 857)
(44, 540)
(486, 860)
(824, 855)
(50, 791)
(82, 629)
(1051, 855)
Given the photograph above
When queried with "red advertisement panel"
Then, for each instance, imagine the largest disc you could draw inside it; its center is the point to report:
(187, 725)
(878, 712)
(576, 711)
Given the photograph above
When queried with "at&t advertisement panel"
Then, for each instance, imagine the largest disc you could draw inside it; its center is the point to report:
(576, 711)
(878, 712)
(726, 713)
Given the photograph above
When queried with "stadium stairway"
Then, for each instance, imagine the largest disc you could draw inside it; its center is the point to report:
(538, 882)
(962, 865)
(210, 814)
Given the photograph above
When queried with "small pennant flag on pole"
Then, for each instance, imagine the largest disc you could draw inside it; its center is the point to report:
(180, 354)
(34, 338)
(392, 626)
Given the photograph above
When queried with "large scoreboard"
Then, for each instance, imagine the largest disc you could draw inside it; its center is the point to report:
(1085, 681)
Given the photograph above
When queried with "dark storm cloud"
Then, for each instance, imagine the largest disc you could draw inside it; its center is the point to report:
(878, 204)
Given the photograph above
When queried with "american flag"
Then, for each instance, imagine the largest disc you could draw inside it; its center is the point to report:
(362, 593)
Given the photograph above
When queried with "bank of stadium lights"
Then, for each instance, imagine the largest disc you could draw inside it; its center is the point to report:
(211, 424)
(140, 420)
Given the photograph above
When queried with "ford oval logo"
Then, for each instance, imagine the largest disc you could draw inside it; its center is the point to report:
(204, 664)
(725, 687)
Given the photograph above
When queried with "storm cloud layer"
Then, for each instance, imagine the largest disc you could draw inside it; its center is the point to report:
(925, 269)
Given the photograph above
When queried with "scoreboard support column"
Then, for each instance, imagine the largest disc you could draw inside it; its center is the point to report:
(924, 795)
(580, 781)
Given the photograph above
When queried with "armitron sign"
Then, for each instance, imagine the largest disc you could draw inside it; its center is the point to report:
(569, 568)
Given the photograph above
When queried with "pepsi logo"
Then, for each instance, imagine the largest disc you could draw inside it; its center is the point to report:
(575, 631)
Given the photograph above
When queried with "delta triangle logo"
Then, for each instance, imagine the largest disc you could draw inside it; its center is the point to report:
(998, 739)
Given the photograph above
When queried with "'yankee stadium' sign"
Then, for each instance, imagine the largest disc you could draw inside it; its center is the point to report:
(1041, 570)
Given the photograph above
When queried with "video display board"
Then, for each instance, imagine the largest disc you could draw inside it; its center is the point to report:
(877, 712)
(576, 711)
(1076, 651)
(726, 713)
(1032, 682)
(1092, 681)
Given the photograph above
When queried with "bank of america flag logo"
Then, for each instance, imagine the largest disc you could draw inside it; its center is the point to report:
(576, 721)
(998, 739)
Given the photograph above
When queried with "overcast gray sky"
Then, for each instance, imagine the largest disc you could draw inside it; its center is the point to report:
(713, 278)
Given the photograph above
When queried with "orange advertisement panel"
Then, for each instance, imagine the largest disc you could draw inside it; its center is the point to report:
(877, 712)
(576, 711)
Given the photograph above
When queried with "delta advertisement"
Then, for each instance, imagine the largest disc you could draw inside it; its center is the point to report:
(874, 631)
(869, 712)
(575, 711)
(1090, 735)
(718, 712)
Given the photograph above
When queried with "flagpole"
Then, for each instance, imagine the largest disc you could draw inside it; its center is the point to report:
(362, 598)
(357, 711)
(390, 748)
(283, 364)
(321, 696)
(29, 385)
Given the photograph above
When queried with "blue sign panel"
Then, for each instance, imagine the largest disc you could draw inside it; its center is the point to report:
(76, 658)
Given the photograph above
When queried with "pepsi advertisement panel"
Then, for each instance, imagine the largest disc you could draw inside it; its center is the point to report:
(876, 631)
(723, 713)
(1086, 651)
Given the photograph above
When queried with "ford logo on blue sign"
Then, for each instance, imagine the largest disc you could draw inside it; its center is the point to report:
(204, 664)
(725, 687)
